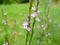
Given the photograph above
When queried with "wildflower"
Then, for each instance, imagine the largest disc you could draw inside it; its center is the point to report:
(28, 29)
(37, 19)
(25, 24)
(5, 43)
(34, 14)
(4, 21)
(33, 8)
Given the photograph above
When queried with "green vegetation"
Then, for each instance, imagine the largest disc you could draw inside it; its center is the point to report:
(13, 1)
(15, 11)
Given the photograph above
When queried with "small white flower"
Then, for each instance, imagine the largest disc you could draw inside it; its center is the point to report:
(38, 11)
(37, 19)
(4, 21)
(5, 43)
(33, 8)
(48, 34)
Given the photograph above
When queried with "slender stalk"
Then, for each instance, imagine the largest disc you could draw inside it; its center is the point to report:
(27, 37)
(29, 17)
(32, 31)
(34, 22)
(47, 19)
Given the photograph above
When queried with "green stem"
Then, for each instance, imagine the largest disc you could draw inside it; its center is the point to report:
(27, 37)
(29, 17)
(32, 31)
(34, 23)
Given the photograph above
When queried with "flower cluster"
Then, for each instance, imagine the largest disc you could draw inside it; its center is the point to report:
(25, 24)
(34, 14)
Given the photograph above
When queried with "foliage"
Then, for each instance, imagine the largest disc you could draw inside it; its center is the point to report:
(12, 1)
(16, 33)
(1, 1)
(22, 1)
(56, 1)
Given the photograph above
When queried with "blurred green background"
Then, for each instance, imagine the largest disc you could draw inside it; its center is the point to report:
(18, 10)
(13, 1)
(19, 1)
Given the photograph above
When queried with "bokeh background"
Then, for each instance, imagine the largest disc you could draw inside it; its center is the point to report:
(16, 13)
